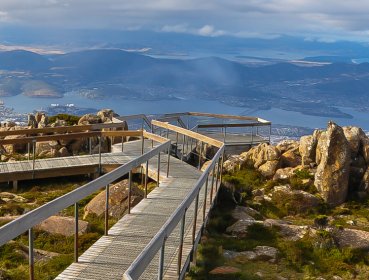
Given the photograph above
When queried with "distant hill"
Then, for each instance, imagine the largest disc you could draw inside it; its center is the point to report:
(112, 72)
(24, 61)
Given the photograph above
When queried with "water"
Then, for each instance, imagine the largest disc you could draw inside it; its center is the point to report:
(279, 116)
(24, 104)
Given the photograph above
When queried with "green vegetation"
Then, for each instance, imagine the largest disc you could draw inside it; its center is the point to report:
(69, 119)
(309, 257)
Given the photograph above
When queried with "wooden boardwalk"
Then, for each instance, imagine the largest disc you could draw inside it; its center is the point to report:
(111, 255)
(72, 165)
(172, 215)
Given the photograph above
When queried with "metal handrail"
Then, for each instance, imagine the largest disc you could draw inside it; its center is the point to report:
(61, 129)
(34, 217)
(29, 220)
(143, 117)
(139, 265)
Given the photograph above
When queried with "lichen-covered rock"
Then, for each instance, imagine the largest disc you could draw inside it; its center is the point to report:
(240, 227)
(62, 225)
(118, 203)
(365, 149)
(268, 168)
(106, 115)
(307, 148)
(44, 121)
(290, 158)
(353, 135)
(89, 119)
(332, 175)
(244, 213)
(15, 148)
(11, 197)
(364, 185)
(63, 152)
(357, 169)
(286, 230)
(232, 163)
(263, 153)
(266, 253)
(32, 122)
(352, 238)
(287, 145)
(284, 173)
(296, 201)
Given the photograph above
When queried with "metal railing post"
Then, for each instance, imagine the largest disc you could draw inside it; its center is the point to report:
(180, 250)
(76, 232)
(129, 190)
(195, 219)
(168, 160)
(205, 197)
(183, 144)
(221, 166)
(225, 134)
(212, 185)
(176, 143)
(158, 177)
(217, 175)
(90, 145)
(31, 255)
(161, 261)
(200, 155)
(28, 151)
(142, 144)
(146, 177)
(252, 135)
(33, 157)
(99, 154)
(122, 144)
(106, 209)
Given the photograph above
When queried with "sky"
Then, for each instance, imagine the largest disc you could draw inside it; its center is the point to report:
(317, 19)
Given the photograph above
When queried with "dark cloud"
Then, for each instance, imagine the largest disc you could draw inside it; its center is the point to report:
(337, 18)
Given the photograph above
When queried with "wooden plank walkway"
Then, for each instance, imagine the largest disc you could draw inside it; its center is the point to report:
(111, 255)
(72, 165)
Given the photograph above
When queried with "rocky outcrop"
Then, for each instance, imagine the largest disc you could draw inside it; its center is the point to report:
(260, 253)
(288, 230)
(354, 136)
(11, 197)
(89, 119)
(15, 148)
(268, 168)
(287, 145)
(364, 184)
(32, 121)
(333, 158)
(284, 173)
(62, 225)
(352, 238)
(290, 158)
(307, 148)
(296, 201)
(106, 115)
(240, 227)
(264, 153)
(118, 200)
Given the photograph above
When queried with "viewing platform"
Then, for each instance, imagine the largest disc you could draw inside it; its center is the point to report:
(158, 237)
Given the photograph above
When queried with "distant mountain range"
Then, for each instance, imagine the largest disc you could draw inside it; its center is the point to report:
(311, 89)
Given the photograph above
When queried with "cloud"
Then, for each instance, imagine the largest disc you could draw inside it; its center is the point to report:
(209, 30)
(328, 18)
(4, 17)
